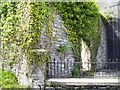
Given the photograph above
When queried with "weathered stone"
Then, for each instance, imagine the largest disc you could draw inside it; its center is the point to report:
(85, 56)
(66, 59)
(101, 54)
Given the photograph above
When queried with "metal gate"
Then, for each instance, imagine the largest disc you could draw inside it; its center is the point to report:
(113, 37)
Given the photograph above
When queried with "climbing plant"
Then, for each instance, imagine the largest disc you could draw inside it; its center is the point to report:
(21, 26)
(9, 80)
(81, 20)
(9, 22)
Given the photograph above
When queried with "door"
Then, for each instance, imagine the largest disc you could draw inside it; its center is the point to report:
(113, 38)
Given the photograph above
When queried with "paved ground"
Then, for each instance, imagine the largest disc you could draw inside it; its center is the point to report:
(83, 81)
(107, 74)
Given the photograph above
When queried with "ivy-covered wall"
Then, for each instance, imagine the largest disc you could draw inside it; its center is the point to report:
(21, 26)
(24, 23)
(81, 20)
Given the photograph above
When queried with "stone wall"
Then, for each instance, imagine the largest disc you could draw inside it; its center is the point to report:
(66, 57)
(20, 71)
(110, 35)
(38, 76)
(58, 39)
(102, 50)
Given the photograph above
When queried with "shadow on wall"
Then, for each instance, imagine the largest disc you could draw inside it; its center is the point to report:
(113, 43)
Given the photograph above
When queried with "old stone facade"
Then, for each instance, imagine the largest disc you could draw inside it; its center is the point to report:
(59, 39)
(102, 50)
(66, 57)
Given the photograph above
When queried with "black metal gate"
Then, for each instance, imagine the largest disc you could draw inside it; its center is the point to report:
(113, 37)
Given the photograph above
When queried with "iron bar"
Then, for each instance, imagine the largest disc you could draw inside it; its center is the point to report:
(77, 71)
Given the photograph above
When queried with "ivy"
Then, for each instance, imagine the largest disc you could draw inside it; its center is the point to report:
(8, 27)
(21, 26)
(81, 20)
(8, 80)
(62, 48)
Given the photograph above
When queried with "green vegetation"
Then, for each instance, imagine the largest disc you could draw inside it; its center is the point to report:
(0, 8)
(22, 23)
(21, 26)
(79, 73)
(81, 20)
(8, 80)
(63, 48)
(76, 70)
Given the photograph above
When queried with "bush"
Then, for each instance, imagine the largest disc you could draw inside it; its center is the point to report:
(8, 80)
(76, 70)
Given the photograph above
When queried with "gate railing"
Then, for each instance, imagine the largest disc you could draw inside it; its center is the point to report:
(83, 69)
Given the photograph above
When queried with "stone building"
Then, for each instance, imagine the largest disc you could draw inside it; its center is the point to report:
(59, 39)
